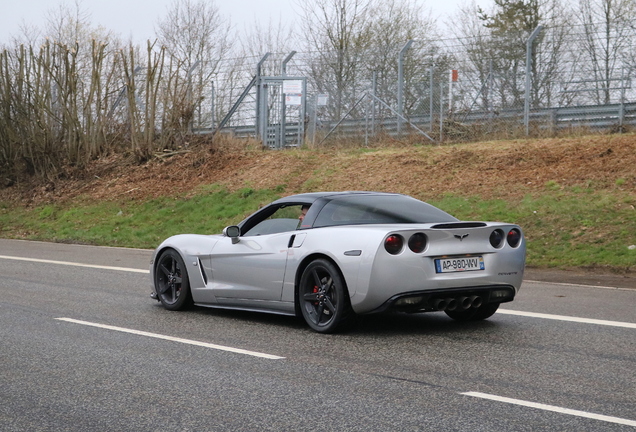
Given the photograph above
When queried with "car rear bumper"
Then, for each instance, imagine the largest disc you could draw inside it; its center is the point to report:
(448, 299)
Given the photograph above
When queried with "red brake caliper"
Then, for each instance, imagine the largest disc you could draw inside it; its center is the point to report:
(315, 290)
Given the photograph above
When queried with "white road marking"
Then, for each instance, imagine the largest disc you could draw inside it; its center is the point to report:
(552, 408)
(67, 263)
(173, 339)
(568, 318)
(564, 284)
(501, 311)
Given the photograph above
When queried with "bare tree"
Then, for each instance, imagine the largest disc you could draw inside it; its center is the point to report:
(553, 61)
(198, 38)
(394, 23)
(338, 34)
(71, 25)
(29, 34)
(194, 31)
(608, 35)
(275, 37)
(475, 50)
(494, 45)
(56, 94)
(510, 23)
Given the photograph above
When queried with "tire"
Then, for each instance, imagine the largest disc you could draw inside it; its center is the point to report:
(324, 298)
(171, 281)
(481, 313)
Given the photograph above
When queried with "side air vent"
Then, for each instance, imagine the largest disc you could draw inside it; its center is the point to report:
(459, 225)
(202, 270)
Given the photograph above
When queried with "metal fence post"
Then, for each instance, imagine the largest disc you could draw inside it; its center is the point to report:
(400, 95)
(374, 86)
(529, 44)
(441, 112)
(302, 117)
(259, 112)
(490, 103)
(431, 106)
(263, 113)
(213, 107)
(283, 122)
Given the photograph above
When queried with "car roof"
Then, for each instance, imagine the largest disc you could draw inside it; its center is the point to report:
(310, 197)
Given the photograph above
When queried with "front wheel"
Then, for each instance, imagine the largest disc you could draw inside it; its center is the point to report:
(171, 281)
(481, 313)
(324, 300)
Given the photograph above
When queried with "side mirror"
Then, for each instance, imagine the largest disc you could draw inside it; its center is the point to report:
(232, 232)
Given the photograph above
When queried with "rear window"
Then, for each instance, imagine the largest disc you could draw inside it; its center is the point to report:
(379, 209)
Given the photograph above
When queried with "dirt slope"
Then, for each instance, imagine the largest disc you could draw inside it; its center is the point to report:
(487, 169)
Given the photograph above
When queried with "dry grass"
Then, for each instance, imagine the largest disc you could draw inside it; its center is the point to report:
(486, 169)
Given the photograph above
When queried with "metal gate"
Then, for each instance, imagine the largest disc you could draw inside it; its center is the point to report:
(280, 111)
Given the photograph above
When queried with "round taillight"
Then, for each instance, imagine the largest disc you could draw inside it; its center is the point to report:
(393, 244)
(417, 242)
(497, 238)
(514, 237)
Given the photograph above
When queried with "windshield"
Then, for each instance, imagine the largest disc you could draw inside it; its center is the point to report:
(379, 209)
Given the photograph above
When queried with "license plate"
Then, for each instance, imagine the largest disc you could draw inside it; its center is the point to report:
(459, 264)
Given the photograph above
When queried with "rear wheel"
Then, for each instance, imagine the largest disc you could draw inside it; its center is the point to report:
(171, 281)
(481, 313)
(324, 300)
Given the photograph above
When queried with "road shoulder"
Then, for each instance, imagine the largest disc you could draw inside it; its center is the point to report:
(582, 277)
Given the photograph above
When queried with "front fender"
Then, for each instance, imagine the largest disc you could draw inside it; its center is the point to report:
(193, 248)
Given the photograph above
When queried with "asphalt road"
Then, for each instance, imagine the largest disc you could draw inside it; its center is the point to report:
(84, 348)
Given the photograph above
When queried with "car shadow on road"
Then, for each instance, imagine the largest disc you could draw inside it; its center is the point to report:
(387, 323)
(417, 324)
(376, 324)
(254, 317)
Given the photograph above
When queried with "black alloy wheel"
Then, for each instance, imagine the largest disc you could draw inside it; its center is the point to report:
(171, 281)
(324, 299)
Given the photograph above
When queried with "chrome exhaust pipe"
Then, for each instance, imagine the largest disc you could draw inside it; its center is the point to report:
(451, 304)
(440, 304)
(476, 301)
(464, 303)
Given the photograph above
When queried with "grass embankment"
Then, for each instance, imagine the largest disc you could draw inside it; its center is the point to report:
(565, 229)
(132, 223)
(575, 197)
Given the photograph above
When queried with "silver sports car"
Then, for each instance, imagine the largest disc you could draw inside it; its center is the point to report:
(329, 256)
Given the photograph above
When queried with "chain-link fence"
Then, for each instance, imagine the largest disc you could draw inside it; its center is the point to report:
(451, 90)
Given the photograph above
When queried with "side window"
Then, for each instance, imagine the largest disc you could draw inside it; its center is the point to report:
(339, 212)
(391, 209)
(284, 219)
